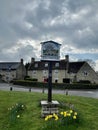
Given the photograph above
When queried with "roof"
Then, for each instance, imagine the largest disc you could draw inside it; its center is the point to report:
(51, 42)
(9, 65)
(73, 67)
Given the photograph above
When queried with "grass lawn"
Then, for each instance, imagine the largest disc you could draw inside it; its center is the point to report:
(31, 116)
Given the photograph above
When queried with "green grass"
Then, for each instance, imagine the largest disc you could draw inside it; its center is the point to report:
(31, 116)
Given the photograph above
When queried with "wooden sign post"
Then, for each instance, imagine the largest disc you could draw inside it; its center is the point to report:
(50, 82)
(50, 52)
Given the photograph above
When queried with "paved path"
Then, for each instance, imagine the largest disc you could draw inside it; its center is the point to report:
(86, 93)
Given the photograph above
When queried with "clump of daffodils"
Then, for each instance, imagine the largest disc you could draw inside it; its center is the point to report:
(69, 113)
(53, 116)
(65, 117)
(69, 117)
(16, 111)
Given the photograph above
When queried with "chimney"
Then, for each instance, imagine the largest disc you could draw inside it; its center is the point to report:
(67, 58)
(67, 62)
(32, 60)
(21, 61)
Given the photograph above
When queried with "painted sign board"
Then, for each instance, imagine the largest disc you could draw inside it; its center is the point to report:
(50, 51)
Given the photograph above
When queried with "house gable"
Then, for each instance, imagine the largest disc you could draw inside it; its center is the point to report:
(74, 67)
(87, 73)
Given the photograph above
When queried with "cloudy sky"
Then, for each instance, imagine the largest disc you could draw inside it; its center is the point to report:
(24, 24)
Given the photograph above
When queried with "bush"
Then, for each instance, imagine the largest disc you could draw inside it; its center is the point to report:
(30, 79)
(84, 82)
(55, 85)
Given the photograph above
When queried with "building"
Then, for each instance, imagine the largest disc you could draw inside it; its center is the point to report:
(12, 70)
(63, 71)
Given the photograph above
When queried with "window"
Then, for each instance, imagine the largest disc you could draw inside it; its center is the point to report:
(55, 74)
(45, 72)
(36, 65)
(46, 64)
(55, 71)
(34, 72)
(57, 64)
(85, 73)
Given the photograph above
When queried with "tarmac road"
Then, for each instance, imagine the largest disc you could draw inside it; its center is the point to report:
(84, 93)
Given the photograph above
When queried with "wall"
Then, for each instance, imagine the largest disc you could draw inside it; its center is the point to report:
(20, 72)
(40, 75)
(87, 73)
(8, 75)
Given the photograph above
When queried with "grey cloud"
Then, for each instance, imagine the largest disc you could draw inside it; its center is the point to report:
(27, 52)
(44, 19)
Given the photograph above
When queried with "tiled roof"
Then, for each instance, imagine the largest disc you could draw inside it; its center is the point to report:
(9, 65)
(74, 67)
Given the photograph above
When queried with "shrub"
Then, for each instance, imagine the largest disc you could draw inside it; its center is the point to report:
(84, 82)
(30, 79)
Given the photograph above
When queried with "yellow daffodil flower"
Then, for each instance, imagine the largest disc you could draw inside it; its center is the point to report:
(18, 116)
(56, 118)
(71, 111)
(62, 113)
(68, 114)
(75, 113)
(50, 116)
(74, 117)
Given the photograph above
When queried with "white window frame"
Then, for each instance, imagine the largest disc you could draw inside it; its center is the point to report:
(46, 64)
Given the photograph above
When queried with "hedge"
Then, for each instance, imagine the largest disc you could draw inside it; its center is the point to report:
(55, 85)
(31, 79)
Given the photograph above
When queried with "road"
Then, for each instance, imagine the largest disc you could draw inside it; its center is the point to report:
(84, 93)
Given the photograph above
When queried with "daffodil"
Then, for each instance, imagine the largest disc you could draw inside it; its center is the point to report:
(46, 119)
(62, 113)
(65, 114)
(18, 116)
(54, 114)
(56, 118)
(74, 117)
(50, 116)
(71, 111)
(75, 113)
(22, 106)
(68, 114)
